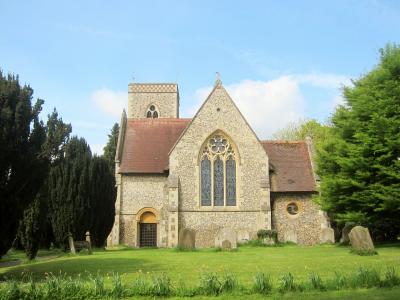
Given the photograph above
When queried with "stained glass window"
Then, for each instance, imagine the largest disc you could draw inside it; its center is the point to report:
(230, 182)
(218, 182)
(206, 182)
(218, 172)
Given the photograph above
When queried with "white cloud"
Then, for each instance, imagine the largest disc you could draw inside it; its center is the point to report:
(323, 80)
(109, 101)
(97, 148)
(268, 105)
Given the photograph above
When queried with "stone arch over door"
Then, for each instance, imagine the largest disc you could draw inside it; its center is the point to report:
(147, 220)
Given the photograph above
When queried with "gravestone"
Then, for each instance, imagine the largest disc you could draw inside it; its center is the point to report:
(187, 238)
(327, 236)
(226, 244)
(243, 236)
(290, 236)
(360, 239)
(345, 233)
(226, 235)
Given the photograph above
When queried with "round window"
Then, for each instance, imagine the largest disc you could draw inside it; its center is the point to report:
(292, 208)
(152, 108)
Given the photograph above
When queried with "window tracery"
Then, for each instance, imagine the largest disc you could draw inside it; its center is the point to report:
(152, 112)
(218, 172)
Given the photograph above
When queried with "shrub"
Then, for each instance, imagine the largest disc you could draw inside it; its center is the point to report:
(365, 278)
(268, 234)
(98, 282)
(262, 283)
(287, 283)
(228, 282)
(141, 286)
(363, 252)
(209, 284)
(117, 288)
(161, 285)
(391, 277)
(338, 282)
(316, 282)
(53, 286)
(184, 291)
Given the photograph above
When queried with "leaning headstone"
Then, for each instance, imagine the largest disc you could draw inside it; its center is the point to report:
(187, 238)
(327, 236)
(344, 239)
(226, 244)
(226, 234)
(361, 241)
(71, 243)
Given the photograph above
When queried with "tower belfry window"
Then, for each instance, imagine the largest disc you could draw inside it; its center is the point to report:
(152, 112)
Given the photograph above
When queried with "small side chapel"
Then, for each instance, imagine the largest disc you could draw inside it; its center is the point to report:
(210, 175)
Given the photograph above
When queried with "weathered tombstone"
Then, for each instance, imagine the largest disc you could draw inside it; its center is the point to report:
(71, 243)
(327, 236)
(344, 239)
(226, 244)
(89, 243)
(243, 236)
(226, 234)
(360, 240)
(187, 238)
(291, 236)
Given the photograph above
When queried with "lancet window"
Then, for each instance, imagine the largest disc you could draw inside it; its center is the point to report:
(152, 112)
(218, 172)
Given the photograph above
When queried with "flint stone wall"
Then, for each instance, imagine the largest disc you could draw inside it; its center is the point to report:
(303, 228)
(138, 192)
(208, 224)
(164, 96)
(219, 113)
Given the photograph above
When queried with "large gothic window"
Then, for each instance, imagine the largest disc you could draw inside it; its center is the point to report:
(218, 172)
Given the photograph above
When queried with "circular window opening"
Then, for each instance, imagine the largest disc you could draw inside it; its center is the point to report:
(292, 208)
(152, 108)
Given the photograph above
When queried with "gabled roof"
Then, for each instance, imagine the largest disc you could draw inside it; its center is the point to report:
(147, 143)
(291, 167)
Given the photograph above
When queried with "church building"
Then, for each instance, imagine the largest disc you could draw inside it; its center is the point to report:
(209, 175)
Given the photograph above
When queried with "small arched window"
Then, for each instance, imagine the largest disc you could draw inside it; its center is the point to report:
(152, 112)
(218, 172)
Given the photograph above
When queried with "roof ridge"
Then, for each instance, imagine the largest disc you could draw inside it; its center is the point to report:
(283, 141)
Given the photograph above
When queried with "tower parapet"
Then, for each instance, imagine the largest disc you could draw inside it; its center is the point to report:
(153, 100)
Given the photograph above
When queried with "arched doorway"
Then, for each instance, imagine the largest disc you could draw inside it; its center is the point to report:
(148, 230)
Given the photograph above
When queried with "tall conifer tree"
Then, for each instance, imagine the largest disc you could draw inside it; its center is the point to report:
(360, 163)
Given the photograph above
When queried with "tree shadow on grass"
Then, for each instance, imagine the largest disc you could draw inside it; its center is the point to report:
(83, 266)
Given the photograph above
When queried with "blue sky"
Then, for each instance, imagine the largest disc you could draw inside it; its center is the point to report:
(280, 60)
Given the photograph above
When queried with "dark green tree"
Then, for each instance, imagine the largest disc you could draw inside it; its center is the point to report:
(360, 163)
(69, 192)
(102, 194)
(111, 147)
(21, 165)
(34, 225)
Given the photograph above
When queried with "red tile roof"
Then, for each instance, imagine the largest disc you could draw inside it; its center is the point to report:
(147, 144)
(291, 166)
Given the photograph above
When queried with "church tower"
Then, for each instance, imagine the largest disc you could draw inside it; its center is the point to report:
(153, 100)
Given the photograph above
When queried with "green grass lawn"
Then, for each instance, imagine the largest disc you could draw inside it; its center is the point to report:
(187, 266)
